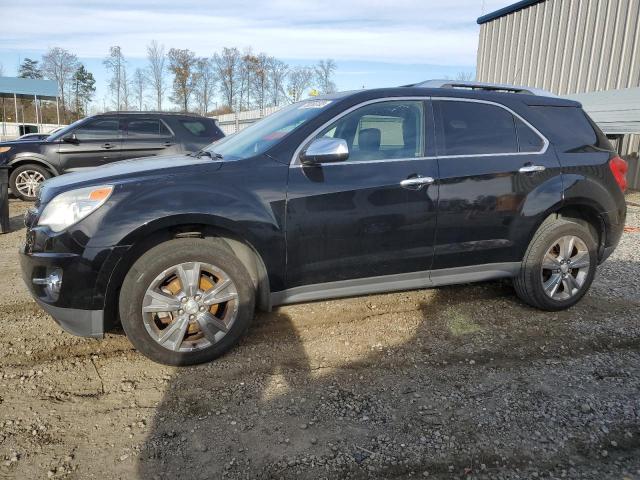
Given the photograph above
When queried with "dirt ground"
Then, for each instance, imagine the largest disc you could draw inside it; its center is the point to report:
(455, 382)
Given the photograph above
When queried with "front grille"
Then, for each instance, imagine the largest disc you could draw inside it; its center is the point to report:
(30, 218)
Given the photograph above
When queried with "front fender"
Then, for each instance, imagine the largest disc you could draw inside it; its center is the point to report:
(30, 157)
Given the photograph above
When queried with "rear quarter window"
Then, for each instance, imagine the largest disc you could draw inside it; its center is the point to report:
(570, 128)
(204, 129)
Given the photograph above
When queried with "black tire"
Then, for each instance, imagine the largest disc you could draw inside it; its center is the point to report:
(528, 284)
(157, 260)
(30, 167)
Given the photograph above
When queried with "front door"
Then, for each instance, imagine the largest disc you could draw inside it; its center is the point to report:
(146, 137)
(375, 213)
(493, 167)
(97, 141)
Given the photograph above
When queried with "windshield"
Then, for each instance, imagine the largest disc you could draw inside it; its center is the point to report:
(260, 136)
(63, 131)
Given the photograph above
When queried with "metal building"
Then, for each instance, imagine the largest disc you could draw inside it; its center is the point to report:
(568, 47)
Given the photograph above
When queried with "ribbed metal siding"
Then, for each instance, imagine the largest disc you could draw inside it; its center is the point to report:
(566, 46)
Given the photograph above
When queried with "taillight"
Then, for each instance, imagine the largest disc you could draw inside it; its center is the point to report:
(619, 169)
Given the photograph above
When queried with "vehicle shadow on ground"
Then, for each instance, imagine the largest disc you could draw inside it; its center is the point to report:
(374, 389)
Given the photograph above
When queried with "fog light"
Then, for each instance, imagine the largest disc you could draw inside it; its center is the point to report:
(52, 283)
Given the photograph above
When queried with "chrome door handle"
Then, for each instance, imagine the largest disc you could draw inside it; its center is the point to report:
(416, 183)
(532, 168)
(108, 146)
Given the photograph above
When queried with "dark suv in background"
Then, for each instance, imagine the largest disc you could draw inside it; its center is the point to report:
(349, 194)
(102, 139)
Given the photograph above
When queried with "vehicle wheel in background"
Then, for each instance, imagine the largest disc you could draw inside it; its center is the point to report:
(186, 301)
(25, 180)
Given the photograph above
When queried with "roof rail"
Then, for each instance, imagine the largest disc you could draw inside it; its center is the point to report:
(494, 87)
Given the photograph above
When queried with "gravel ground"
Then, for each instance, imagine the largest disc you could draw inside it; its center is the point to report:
(455, 382)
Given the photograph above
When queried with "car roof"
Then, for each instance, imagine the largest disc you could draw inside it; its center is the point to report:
(418, 91)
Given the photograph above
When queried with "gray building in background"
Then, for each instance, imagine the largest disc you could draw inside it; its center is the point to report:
(571, 47)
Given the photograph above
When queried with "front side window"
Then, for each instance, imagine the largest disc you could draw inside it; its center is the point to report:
(471, 128)
(146, 128)
(100, 129)
(264, 134)
(382, 131)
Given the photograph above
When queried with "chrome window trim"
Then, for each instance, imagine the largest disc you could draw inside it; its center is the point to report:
(545, 142)
(295, 160)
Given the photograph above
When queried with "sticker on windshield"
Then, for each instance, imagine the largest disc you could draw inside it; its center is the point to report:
(314, 104)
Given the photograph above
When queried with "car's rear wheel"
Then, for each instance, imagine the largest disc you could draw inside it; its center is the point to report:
(559, 265)
(186, 301)
(26, 179)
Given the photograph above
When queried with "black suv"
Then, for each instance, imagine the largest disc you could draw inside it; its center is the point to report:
(349, 194)
(101, 139)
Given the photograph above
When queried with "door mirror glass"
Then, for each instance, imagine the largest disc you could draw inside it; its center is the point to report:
(71, 138)
(325, 150)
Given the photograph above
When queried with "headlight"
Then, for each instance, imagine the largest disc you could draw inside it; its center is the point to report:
(72, 206)
(4, 149)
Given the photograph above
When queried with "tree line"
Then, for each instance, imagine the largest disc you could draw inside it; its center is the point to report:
(229, 80)
(240, 80)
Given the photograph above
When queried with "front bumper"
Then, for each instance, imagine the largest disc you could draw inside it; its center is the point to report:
(84, 323)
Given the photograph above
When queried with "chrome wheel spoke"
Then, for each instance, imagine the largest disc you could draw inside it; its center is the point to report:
(189, 275)
(218, 293)
(172, 336)
(580, 260)
(566, 247)
(549, 262)
(211, 325)
(569, 284)
(159, 302)
(551, 285)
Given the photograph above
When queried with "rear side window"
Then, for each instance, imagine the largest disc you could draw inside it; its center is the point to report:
(570, 127)
(201, 128)
(470, 128)
(475, 128)
(146, 128)
(99, 129)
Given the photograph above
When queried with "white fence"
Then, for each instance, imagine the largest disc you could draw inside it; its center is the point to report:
(11, 130)
(234, 122)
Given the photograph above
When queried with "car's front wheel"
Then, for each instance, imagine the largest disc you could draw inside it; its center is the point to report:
(559, 265)
(186, 301)
(26, 179)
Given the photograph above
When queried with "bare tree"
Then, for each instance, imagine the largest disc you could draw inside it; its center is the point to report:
(126, 89)
(298, 81)
(181, 64)
(246, 75)
(464, 76)
(260, 79)
(1, 70)
(278, 71)
(115, 63)
(156, 57)
(227, 65)
(324, 71)
(59, 64)
(139, 86)
(205, 82)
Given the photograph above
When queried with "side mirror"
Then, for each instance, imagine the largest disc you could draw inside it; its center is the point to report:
(71, 138)
(325, 150)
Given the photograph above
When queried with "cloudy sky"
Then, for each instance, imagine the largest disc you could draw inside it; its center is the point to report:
(375, 43)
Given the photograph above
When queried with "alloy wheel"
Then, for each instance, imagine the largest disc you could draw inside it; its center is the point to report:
(28, 181)
(565, 267)
(190, 306)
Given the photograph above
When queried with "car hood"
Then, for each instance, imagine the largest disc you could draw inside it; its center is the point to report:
(17, 141)
(126, 171)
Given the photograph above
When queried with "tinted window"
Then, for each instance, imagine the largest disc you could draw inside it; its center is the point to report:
(103, 128)
(147, 127)
(568, 126)
(470, 128)
(384, 130)
(528, 140)
(196, 127)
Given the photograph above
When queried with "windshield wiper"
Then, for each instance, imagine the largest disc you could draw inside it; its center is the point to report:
(207, 153)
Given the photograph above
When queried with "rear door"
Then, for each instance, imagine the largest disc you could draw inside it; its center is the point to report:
(360, 219)
(496, 173)
(98, 141)
(146, 137)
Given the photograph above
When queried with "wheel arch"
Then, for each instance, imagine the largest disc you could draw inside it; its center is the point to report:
(20, 161)
(148, 236)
